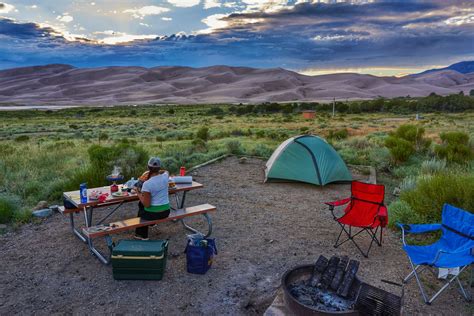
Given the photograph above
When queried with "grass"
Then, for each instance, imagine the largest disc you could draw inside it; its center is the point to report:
(43, 153)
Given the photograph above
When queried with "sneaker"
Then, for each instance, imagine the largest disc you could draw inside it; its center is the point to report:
(140, 237)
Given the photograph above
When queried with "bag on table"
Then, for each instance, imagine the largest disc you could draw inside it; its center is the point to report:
(200, 252)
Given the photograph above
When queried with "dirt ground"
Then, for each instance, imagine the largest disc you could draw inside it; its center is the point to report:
(261, 230)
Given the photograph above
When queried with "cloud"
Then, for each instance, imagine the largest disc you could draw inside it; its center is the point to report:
(266, 5)
(166, 18)
(208, 4)
(121, 38)
(460, 20)
(6, 8)
(65, 18)
(184, 3)
(315, 36)
(140, 13)
(214, 22)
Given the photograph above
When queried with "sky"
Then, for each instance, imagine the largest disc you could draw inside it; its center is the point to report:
(307, 36)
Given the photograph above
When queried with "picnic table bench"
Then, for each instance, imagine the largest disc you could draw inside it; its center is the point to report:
(90, 231)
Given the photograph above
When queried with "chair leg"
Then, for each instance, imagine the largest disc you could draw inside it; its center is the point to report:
(427, 301)
(338, 237)
(420, 285)
(468, 298)
(448, 283)
(350, 236)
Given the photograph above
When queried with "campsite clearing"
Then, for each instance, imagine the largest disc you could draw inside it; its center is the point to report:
(261, 230)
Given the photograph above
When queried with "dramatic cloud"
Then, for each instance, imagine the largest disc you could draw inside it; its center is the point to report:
(140, 13)
(307, 36)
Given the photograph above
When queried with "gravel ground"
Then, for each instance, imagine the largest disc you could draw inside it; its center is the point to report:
(261, 229)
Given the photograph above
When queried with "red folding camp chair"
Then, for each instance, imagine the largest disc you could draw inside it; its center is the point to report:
(365, 210)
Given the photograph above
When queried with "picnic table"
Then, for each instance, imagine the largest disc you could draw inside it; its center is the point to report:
(87, 209)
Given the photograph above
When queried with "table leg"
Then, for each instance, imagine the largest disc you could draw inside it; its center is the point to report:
(74, 229)
(194, 230)
(97, 253)
(183, 199)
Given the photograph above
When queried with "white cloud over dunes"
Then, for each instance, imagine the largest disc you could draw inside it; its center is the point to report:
(110, 37)
(140, 13)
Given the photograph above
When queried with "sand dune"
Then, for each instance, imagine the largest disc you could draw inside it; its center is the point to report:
(67, 85)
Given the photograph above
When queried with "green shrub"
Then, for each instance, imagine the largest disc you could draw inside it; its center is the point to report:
(408, 184)
(359, 143)
(379, 157)
(215, 111)
(170, 164)
(22, 138)
(131, 159)
(203, 133)
(103, 136)
(400, 212)
(433, 166)
(405, 141)
(199, 144)
(338, 134)
(22, 216)
(455, 147)
(234, 147)
(262, 150)
(9, 205)
(430, 194)
(400, 149)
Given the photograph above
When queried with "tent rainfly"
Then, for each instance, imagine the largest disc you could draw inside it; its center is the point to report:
(306, 158)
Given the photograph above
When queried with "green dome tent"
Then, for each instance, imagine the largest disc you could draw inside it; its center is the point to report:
(308, 159)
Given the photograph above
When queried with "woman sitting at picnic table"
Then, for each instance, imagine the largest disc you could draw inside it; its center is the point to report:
(154, 202)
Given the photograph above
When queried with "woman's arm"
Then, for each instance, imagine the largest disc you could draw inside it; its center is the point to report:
(145, 198)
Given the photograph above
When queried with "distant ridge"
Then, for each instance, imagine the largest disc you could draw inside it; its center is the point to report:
(463, 67)
(60, 84)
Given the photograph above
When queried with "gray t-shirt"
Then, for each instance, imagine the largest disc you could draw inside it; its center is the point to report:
(158, 188)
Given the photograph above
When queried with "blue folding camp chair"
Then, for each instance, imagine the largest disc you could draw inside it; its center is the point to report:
(454, 248)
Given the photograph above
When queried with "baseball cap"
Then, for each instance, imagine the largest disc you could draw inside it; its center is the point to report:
(154, 162)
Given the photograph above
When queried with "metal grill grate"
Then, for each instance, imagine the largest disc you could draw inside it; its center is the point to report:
(375, 301)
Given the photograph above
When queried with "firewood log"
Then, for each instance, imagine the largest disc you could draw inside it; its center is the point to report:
(349, 277)
(341, 267)
(319, 267)
(329, 273)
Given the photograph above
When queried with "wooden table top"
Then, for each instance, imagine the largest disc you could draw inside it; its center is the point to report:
(75, 198)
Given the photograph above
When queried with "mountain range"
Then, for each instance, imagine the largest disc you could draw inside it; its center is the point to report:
(59, 84)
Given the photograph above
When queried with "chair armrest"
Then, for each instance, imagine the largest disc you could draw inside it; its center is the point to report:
(417, 229)
(338, 203)
(444, 252)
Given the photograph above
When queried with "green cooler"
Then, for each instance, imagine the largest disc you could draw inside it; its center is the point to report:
(139, 259)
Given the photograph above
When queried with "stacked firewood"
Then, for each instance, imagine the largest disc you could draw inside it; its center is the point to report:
(336, 274)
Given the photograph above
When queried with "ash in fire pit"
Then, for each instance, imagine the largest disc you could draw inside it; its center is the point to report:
(331, 288)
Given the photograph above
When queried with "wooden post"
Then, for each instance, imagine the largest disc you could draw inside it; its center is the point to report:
(333, 107)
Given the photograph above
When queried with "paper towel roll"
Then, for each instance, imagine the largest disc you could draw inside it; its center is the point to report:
(182, 179)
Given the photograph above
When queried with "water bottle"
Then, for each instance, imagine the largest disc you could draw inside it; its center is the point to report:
(83, 192)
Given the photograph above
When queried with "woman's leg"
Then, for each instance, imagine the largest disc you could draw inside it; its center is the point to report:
(149, 216)
(141, 232)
